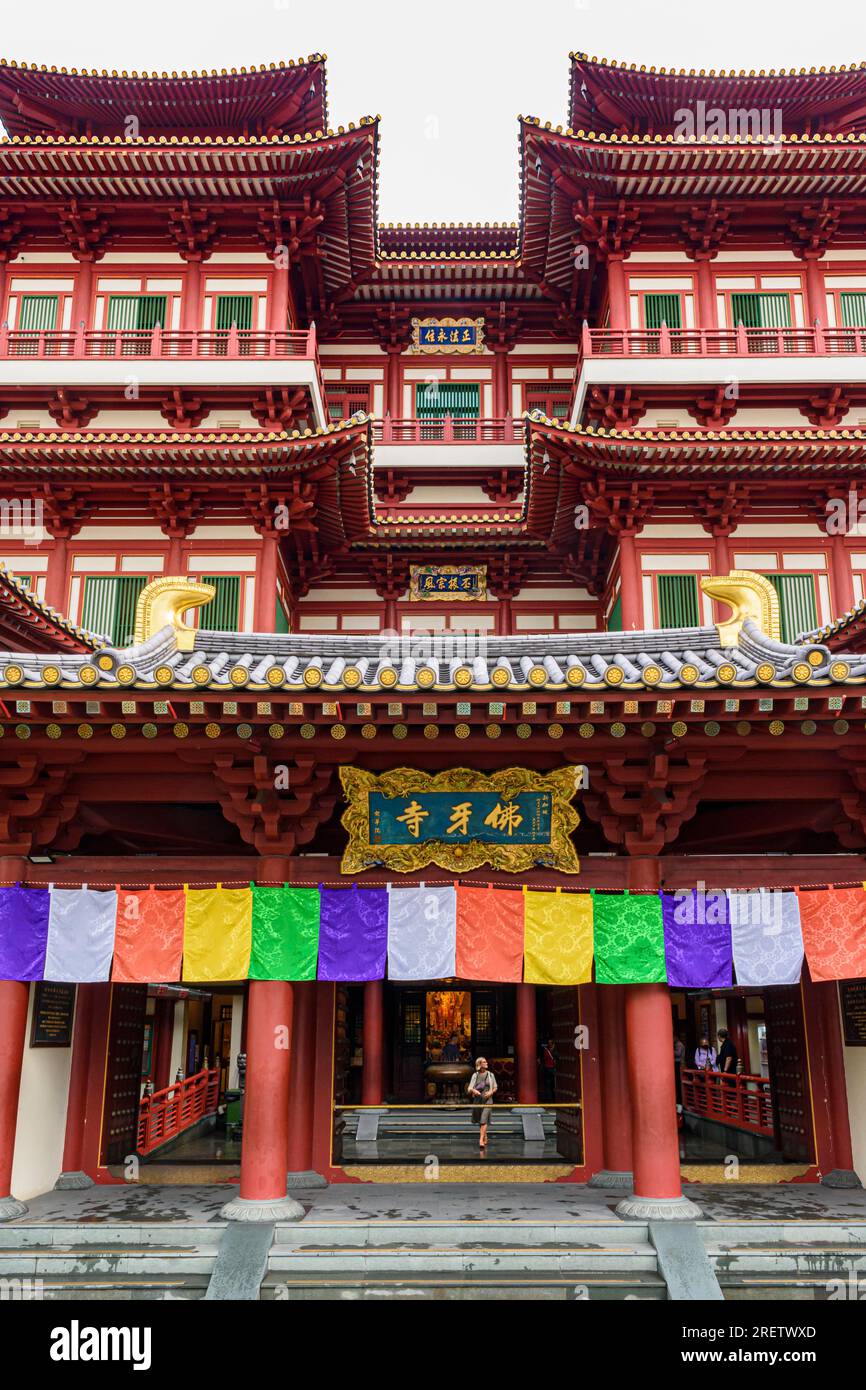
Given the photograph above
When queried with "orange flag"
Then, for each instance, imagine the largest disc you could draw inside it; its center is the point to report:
(148, 943)
(490, 935)
(834, 932)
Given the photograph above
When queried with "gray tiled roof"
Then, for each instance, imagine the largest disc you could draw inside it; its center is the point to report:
(670, 658)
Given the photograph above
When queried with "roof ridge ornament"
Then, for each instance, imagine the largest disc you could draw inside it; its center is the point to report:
(749, 595)
(161, 603)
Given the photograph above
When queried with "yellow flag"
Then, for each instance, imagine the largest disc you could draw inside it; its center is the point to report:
(557, 944)
(218, 934)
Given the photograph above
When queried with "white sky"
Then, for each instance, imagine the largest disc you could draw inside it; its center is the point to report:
(449, 78)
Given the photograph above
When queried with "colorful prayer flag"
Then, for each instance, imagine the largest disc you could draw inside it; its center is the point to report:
(697, 931)
(490, 935)
(285, 933)
(834, 932)
(353, 934)
(629, 939)
(148, 944)
(557, 943)
(217, 934)
(422, 933)
(766, 936)
(81, 923)
(23, 932)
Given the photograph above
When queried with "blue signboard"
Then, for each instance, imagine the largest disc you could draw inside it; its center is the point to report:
(453, 817)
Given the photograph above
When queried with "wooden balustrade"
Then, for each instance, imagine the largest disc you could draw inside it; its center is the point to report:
(735, 1099)
(166, 1114)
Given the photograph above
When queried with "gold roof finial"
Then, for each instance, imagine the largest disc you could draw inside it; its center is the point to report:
(161, 603)
(749, 595)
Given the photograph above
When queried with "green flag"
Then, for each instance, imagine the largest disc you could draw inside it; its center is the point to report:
(629, 939)
(285, 933)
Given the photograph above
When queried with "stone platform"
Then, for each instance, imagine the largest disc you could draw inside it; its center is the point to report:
(435, 1240)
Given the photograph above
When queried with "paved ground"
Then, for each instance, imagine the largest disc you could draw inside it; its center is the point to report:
(462, 1202)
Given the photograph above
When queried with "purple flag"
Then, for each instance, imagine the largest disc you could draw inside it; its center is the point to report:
(23, 932)
(353, 933)
(698, 950)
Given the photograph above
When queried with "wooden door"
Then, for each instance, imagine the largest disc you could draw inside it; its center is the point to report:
(123, 1081)
(789, 1073)
(409, 1032)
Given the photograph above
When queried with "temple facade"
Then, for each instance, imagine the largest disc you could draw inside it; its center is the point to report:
(308, 521)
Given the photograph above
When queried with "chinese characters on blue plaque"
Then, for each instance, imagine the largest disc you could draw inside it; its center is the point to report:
(482, 816)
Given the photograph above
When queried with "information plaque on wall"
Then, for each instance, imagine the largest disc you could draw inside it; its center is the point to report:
(53, 1011)
(852, 997)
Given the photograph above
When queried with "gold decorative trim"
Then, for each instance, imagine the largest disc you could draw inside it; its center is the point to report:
(416, 573)
(562, 785)
(447, 347)
(749, 595)
(161, 603)
(460, 1172)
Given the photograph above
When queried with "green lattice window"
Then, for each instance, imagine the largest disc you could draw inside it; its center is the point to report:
(661, 309)
(614, 622)
(139, 312)
(459, 399)
(109, 606)
(761, 310)
(853, 306)
(223, 614)
(38, 313)
(798, 610)
(678, 600)
(234, 310)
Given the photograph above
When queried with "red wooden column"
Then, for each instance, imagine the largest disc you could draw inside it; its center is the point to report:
(264, 1152)
(501, 403)
(617, 292)
(841, 577)
(394, 383)
(615, 1099)
(266, 582)
(629, 581)
(302, 1090)
(721, 550)
(55, 578)
(190, 313)
(658, 1191)
(527, 1046)
(278, 306)
(373, 1082)
(14, 999)
(816, 295)
(707, 311)
(81, 296)
(164, 1022)
(833, 1154)
(73, 1174)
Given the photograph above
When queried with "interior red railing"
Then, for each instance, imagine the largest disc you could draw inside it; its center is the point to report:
(739, 1100)
(159, 344)
(168, 1113)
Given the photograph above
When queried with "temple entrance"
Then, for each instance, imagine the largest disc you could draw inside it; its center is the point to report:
(175, 1077)
(760, 1109)
(433, 1032)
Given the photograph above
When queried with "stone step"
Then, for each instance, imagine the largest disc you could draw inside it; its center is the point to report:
(397, 1260)
(111, 1260)
(428, 1234)
(535, 1286)
(87, 1288)
(19, 1235)
(779, 1288)
(805, 1232)
(819, 1259)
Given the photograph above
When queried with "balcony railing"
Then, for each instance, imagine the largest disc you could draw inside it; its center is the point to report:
(722, 342)
(742, 1101)
(447, 429)
(159, 345)
(166, 1114)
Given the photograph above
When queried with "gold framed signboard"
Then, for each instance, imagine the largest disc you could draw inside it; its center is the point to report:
(464, 582)
(447, 335)
(512, 820)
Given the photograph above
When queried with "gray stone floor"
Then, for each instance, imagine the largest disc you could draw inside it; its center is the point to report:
(433, 1201)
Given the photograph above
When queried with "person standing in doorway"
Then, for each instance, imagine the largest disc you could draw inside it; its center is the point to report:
(705, 1055)
(482, 1088)
(727, 1058)
(548, 1070)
